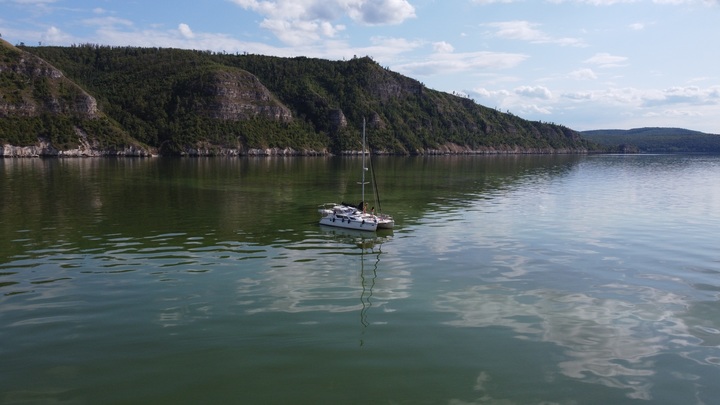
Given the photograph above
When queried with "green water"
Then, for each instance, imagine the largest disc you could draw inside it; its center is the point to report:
(511, 280)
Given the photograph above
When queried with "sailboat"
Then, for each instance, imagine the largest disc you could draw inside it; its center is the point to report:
(357, 217)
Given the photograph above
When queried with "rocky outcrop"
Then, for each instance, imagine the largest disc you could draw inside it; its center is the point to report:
(337, 120)
(236, 95)
(39, 88)
(376, 121)
(384, 84)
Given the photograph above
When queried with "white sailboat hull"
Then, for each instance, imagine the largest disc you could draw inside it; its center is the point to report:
(343, 216)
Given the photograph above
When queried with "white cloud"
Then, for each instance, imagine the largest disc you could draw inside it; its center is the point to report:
(522, 30)
(185, 31)
(380, 11)
(604, 2)
(107, 22)
(583, 74)
(526, 31)
(534, 92)
(678, 2)
(591, 109)
(593, 2)
(605, 60)
(299, 32)
(443, 47)
(485, 93)
(53, 35)
(297, 21)
(612, 2)
(535, 109)
(689, 95)
(630, 97)
(674, 113)
(445, 63)
(484, 2)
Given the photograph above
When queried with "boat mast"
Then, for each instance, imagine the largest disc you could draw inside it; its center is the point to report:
(363, 166)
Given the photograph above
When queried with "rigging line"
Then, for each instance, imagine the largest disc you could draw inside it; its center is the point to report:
(375, 187)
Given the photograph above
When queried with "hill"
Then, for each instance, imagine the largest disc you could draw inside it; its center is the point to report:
(48, 114)
(176, 101)
(656, 140)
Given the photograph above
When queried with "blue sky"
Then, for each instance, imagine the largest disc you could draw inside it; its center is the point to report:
(586, 64)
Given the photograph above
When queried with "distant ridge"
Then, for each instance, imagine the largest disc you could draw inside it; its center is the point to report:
(655, 140)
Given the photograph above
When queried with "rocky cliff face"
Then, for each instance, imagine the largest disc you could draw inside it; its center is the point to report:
(35, 92)
(44, 148)
(235, 95)
(385, 85)
(29, 87)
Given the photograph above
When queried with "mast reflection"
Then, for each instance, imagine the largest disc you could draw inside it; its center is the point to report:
(370, 249)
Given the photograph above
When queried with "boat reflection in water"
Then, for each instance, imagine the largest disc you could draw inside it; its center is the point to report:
(370, 249)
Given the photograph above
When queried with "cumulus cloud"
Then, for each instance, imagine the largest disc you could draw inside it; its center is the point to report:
(297, 21)
(185, 31)
(299, 32)
(689, 95)
(535, 109)
(53, 35)
(380, 11)
(630, 97)
(485, 93)
(673, 106)
(443, 47)
(534, 92)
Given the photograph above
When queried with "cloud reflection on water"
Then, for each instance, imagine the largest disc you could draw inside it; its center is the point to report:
(606, 340)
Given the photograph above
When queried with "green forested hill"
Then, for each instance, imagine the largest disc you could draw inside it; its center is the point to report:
(656, 140)
(38, 101)
(175, 100)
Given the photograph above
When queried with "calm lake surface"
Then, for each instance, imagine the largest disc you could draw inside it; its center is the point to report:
(510, 280)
